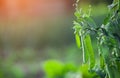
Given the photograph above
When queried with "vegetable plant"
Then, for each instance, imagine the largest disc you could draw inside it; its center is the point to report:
(107, 36)
(57, 69)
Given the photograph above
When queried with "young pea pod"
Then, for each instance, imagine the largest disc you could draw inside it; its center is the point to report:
(89, 48)
(85, 52)
(78, 41)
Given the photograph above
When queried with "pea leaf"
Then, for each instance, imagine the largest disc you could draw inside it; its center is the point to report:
(90, 22)
(106, 20)
(77, 27)
(112, 6)
(77, 14)
(102, 63)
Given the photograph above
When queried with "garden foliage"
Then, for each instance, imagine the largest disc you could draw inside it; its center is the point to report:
(107, 36)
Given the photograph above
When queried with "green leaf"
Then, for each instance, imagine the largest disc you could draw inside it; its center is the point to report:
(90, 22)
(113, 6)
(77, 14)
(119, 5)
(102, 62)
(77, 27)
(83, 69)
(114, 1)
(53, 68)
(107, 19)
(78, 42)
(89, 48)
(118, 64)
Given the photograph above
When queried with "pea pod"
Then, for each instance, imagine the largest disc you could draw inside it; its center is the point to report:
(89, 48)
(78, 42)
(85, 51)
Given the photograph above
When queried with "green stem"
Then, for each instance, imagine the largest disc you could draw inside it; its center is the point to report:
(83, 48)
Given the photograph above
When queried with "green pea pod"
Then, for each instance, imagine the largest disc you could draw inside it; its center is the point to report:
(86, 54)
(85, 51)
(78, 42)
(89, 48)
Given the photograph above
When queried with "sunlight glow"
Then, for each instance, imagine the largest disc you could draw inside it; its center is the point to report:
(17, 8)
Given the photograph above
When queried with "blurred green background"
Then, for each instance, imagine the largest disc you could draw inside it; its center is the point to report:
(35, 31)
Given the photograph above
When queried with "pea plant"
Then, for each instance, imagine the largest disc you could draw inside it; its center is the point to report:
(107, 36)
